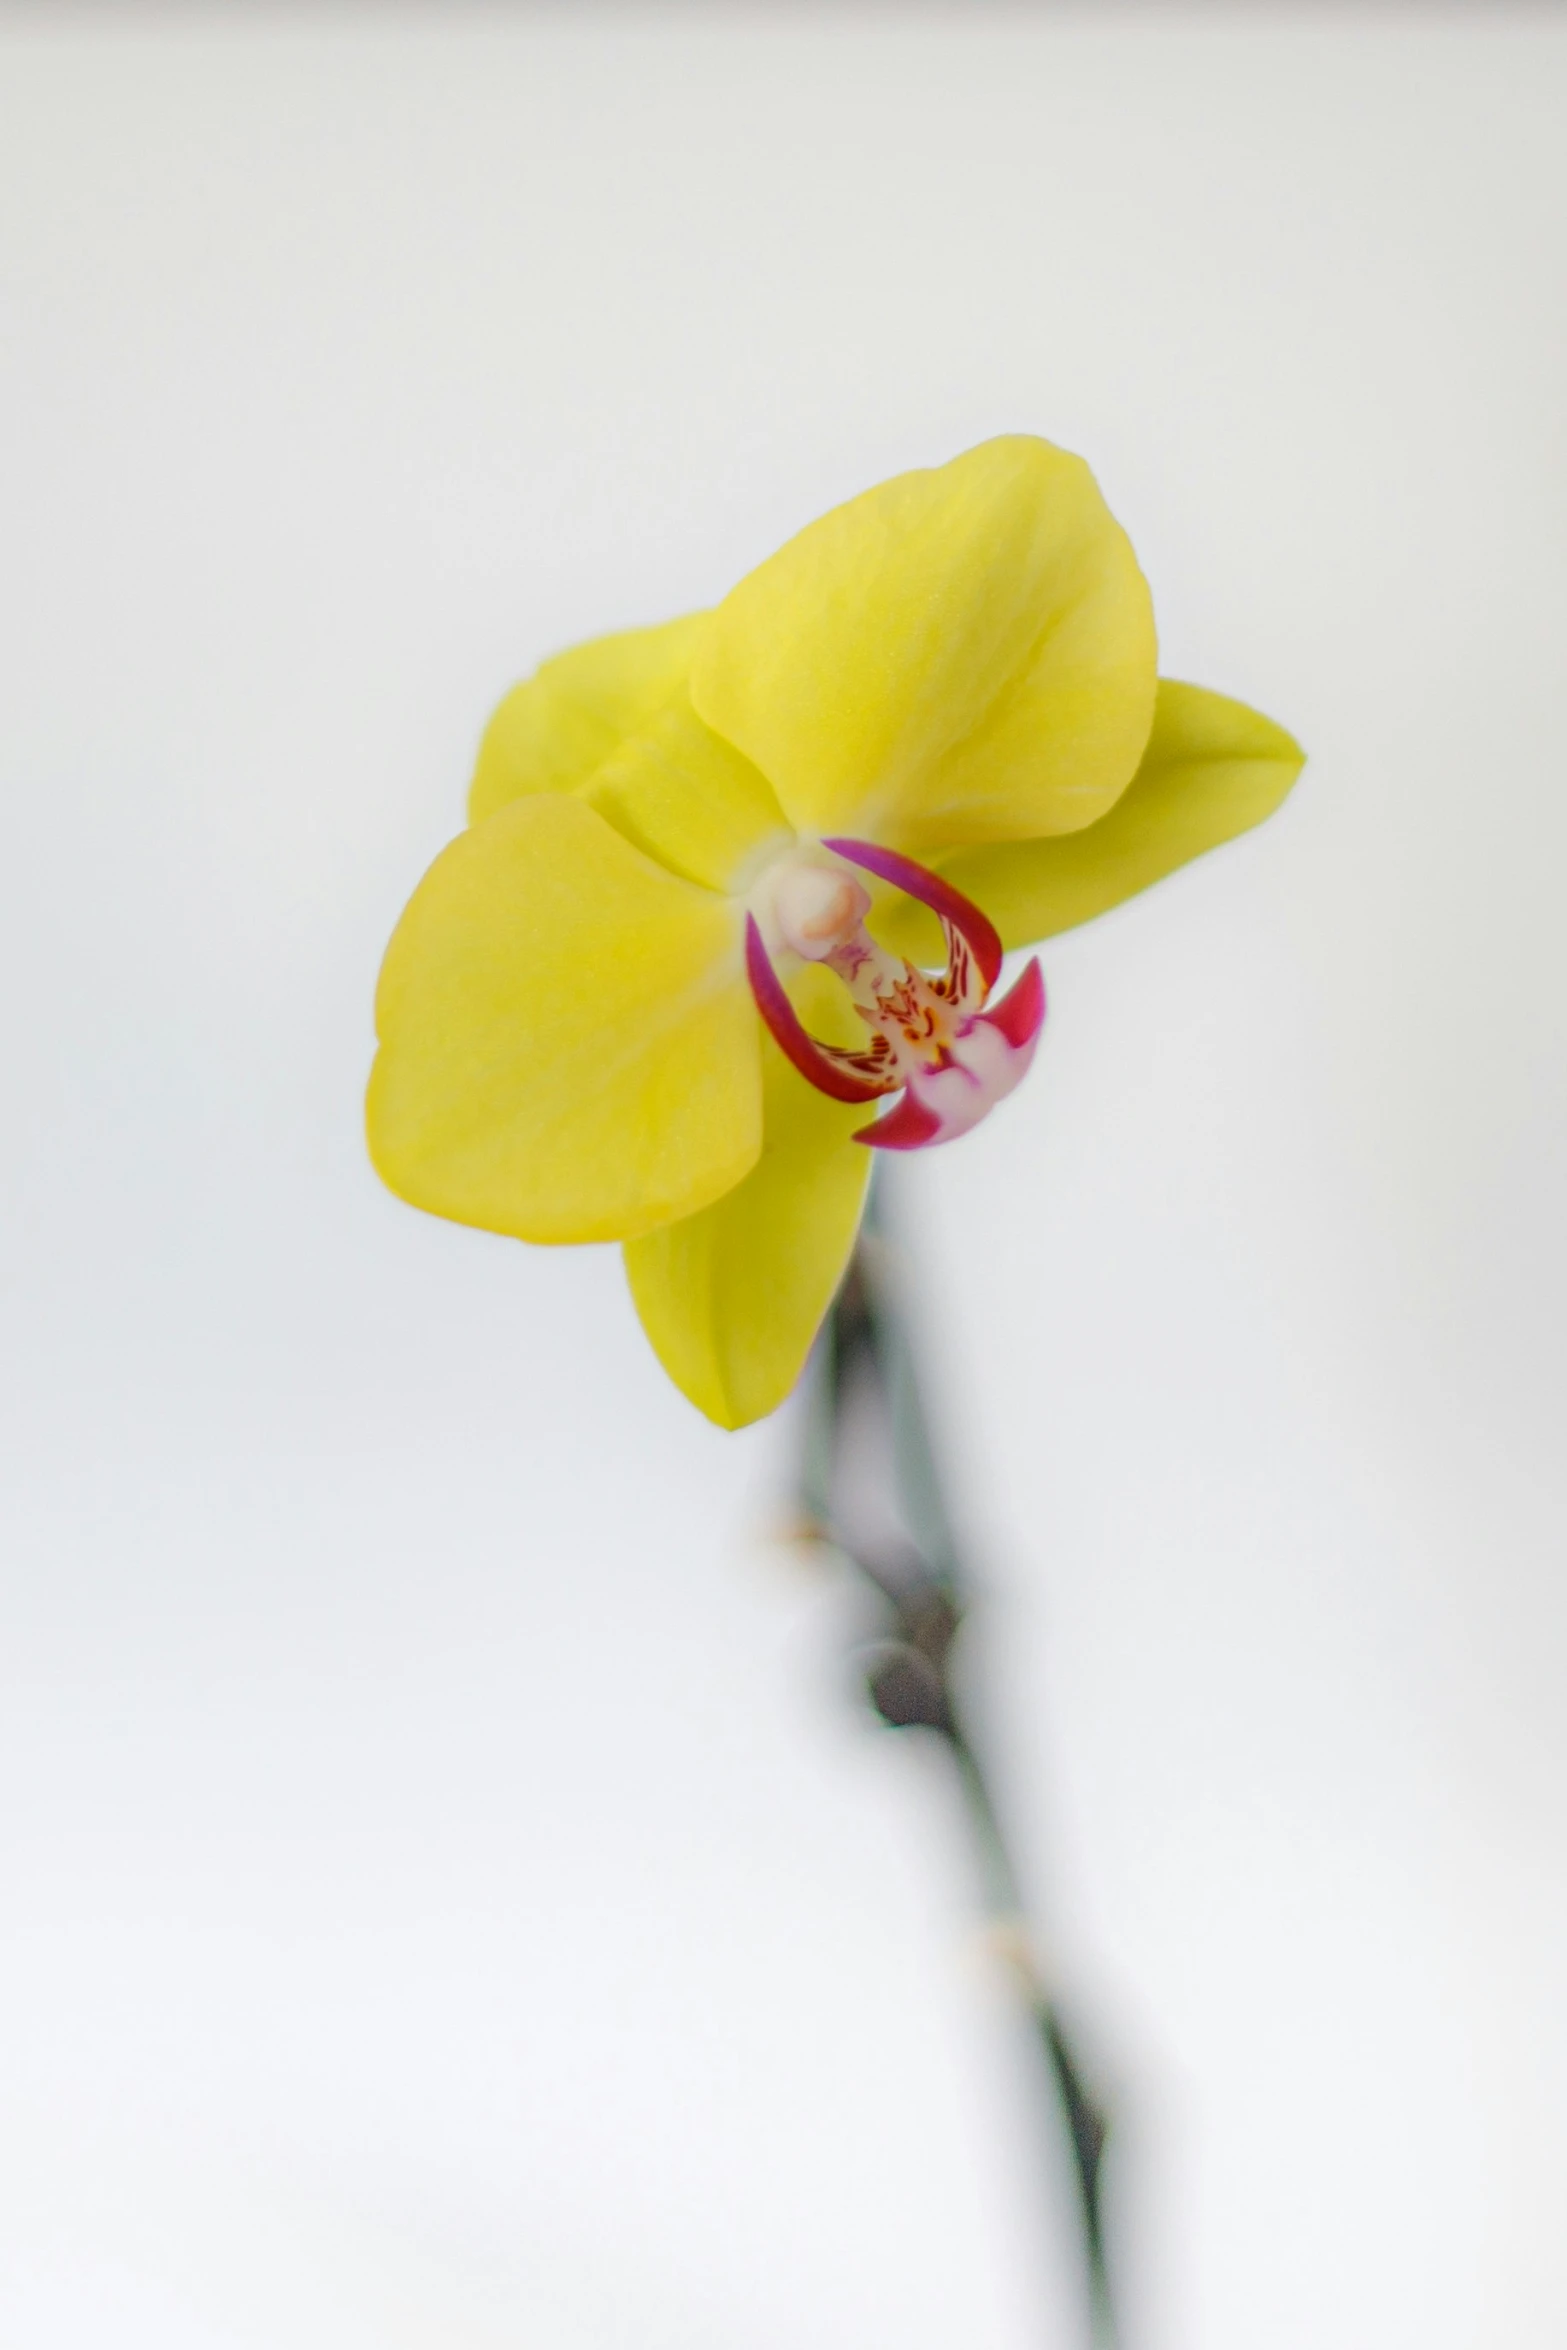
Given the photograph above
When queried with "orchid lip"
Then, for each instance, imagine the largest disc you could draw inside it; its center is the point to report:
(930, 1037)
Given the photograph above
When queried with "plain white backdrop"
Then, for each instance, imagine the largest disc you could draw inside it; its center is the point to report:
(449, 1894)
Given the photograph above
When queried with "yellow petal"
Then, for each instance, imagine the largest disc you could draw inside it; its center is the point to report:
(569, 1050)
(690, 799)
(965, 654)
(732, 1298)
(551, 732)
(1212, 768)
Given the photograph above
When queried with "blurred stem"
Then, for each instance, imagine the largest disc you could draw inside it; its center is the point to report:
(870, 1486)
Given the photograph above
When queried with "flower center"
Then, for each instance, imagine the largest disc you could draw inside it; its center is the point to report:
(817, 908)
(929, 1036)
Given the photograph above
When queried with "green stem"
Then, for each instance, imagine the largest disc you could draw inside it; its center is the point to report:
(870, 1484)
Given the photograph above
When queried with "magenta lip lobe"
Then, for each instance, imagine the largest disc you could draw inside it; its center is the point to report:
(1021, 1011)
(907, 1128)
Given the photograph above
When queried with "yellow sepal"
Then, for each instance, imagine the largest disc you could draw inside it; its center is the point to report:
(690, 799)
(731, 1299)
(553, 730)
(1212, 769)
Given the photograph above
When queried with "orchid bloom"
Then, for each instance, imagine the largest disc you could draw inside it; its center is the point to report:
(732, 904)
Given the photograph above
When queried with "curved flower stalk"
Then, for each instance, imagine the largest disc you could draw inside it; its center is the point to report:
(735, 892)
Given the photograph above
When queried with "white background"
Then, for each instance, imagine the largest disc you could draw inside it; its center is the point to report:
(449, 1895)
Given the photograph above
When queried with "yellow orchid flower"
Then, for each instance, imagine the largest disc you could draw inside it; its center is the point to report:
(652, 992)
